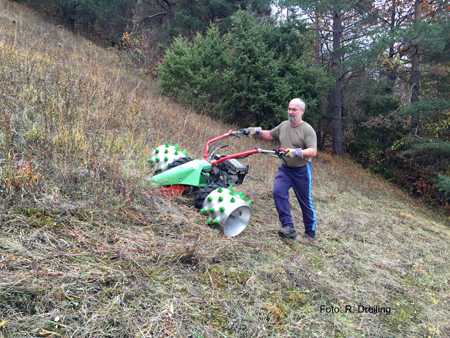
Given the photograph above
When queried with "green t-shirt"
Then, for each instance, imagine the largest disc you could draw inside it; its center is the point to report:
(301, 136)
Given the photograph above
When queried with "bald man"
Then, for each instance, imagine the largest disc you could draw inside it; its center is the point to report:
(299, 138)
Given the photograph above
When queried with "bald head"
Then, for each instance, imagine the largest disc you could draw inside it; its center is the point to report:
(295, 111)
(300, 102)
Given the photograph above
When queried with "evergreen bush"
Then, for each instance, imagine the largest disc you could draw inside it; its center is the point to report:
(246, 76)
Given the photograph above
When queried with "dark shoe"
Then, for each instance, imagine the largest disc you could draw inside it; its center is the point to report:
(306, 239)
(288, 232)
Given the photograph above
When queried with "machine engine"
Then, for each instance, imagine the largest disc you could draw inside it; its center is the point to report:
(231, 172)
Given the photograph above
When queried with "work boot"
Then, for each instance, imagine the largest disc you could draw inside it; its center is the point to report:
(287, 231)
(307, 239)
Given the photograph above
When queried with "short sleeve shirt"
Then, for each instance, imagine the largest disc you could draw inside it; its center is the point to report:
(302, 136)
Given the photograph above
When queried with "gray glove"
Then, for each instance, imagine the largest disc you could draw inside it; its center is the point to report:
(294, 153)
(254, 131)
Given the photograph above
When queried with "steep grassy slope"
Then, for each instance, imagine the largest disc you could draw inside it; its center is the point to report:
(87, 251)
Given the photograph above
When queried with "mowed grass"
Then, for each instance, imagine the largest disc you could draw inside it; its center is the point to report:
(88, 250)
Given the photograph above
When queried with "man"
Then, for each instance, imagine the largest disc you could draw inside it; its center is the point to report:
(299, 138)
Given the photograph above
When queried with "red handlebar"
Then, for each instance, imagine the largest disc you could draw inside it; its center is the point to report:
(246, 153)
(205, 156)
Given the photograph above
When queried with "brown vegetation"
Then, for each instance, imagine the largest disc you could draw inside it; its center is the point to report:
(88, 250)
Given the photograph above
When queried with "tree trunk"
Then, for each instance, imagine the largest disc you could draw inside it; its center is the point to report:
(415, 74)
(392, 73)
(319, 132)
(337, 114)
(318, 62)
(317, 42)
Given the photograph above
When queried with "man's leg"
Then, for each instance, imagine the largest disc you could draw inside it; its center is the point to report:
(302, 188)
(281, 186)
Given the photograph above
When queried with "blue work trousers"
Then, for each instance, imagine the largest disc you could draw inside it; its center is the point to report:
(299, 179)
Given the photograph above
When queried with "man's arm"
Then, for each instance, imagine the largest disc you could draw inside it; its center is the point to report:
(309, 152)
(265, 135)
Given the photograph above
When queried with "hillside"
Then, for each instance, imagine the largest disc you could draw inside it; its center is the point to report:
(88, 250)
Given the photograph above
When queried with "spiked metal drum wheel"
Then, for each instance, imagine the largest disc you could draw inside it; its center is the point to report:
(229, 209)
(165, 155)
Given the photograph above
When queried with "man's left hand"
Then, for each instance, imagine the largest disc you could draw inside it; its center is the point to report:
(253, 131)
(294, 153)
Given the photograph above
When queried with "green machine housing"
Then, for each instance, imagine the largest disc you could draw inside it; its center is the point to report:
(191, 173)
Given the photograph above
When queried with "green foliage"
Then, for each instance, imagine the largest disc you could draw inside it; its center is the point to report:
(415, 162)
(427, 108)
(197, 16)
(247, 75)
(373, 133)
(252, 80)
(436, 146)
(191, 71)
(443, 184)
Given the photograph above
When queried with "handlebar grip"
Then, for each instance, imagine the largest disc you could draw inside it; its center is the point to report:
(244, 131)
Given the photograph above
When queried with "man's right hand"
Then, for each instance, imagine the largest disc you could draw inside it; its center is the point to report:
(253, 131)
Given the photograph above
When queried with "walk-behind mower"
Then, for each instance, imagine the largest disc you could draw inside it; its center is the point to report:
(211, 180)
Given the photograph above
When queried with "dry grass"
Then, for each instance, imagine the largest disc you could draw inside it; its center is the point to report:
(87, 250)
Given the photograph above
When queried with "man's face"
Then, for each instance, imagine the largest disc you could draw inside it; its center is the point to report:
(295, 112)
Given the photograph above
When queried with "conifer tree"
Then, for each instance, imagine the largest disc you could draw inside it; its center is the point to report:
(418, 37)
(343, 25)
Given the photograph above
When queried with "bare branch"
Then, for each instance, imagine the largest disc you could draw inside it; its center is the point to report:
(152, 16)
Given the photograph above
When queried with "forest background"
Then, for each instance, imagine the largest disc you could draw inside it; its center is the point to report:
(374, 74)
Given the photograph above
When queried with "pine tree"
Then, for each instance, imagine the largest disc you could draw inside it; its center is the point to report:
(342, 25)
(419, 38)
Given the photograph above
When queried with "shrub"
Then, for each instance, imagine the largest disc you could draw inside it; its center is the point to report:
(191, 72)
(246, 76)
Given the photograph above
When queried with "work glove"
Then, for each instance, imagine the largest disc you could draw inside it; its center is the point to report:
(253, 131)
(294, 153)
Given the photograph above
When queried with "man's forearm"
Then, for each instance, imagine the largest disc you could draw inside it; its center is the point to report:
(265, 135)
(309, 152)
